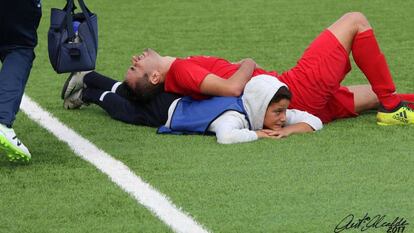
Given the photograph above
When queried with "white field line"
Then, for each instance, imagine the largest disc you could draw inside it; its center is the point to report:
(119, 173)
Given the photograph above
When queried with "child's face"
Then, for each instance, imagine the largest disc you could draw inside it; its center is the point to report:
(275, 116)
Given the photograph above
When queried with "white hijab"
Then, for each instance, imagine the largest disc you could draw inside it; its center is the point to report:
(256, 97)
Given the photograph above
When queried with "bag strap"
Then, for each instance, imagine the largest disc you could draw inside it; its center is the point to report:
(86, 12)
(66, 7)
(69, 10)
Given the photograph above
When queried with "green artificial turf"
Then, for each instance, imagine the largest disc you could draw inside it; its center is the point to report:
(305, 183)
(58, 192)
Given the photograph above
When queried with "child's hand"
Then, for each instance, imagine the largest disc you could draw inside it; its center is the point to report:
(275, 134)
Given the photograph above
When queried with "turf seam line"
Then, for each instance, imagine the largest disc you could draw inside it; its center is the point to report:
(158, 203)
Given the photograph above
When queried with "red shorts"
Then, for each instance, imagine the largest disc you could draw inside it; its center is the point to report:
(315, 80)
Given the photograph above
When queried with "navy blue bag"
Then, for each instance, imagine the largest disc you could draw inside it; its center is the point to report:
(73, 38)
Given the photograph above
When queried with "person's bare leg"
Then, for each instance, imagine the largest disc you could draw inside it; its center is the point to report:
(349, 25)
(364, 98)
(355, 34)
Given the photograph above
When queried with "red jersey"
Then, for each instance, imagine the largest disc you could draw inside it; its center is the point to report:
(186, 75)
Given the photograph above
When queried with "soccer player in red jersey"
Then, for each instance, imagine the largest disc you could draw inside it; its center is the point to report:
(314, 81)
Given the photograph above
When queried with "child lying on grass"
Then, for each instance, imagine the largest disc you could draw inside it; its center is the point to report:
(261, 112)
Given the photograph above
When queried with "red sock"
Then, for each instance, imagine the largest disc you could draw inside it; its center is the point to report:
(372, 63)
(406, 97)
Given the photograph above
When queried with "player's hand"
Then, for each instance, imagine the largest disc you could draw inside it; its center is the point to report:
(248, 60)
(275, 134)
(264, 133)
(134, 59)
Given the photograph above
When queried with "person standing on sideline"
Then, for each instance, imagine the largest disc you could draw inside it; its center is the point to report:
(19, 20)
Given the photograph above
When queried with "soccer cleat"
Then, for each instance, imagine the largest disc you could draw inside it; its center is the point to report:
(74, 100)
(73, 83)
(401, 115)
(14, 149)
